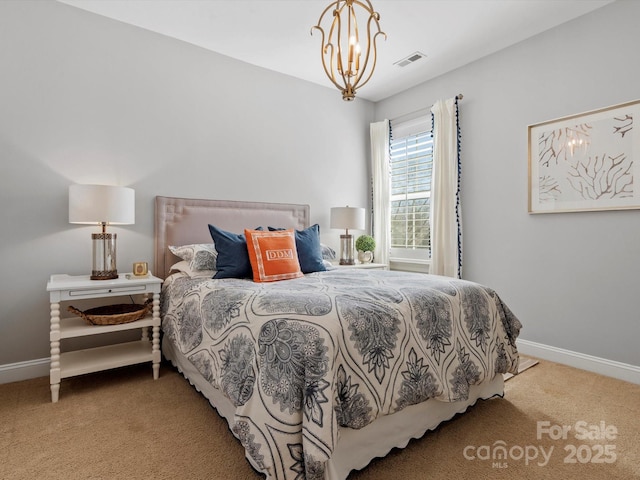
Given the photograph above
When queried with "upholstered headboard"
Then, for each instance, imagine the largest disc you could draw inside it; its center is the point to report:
(183, 221)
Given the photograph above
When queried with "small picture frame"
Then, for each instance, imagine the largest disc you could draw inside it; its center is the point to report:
(140, 269)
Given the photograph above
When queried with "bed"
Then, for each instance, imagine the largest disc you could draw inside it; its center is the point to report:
(321, 373)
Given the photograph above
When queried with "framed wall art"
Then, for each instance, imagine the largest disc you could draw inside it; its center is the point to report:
(586, 162)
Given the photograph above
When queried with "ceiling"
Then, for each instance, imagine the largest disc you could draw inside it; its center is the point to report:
(275, 34)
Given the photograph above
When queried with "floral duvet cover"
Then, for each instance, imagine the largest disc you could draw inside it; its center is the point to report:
(301, 358)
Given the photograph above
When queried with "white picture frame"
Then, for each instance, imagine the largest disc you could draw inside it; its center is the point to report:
(586, 162)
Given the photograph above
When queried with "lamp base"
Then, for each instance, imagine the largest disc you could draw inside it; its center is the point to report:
(104, 275)
(346, 250)
(104, 256)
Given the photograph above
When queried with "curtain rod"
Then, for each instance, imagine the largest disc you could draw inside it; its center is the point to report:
(410, 114)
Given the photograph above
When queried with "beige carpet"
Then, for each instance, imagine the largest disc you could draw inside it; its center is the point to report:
(121, 424)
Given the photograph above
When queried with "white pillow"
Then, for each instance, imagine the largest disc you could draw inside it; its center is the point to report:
(183, 266)
(328, 265)
(328, 253)
(201, 256)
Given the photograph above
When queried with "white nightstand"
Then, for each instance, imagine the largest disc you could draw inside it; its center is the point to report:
(65, 288)
(373, 266)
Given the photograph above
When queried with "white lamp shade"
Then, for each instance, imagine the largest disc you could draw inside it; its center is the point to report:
(101, 204)
(348, 218)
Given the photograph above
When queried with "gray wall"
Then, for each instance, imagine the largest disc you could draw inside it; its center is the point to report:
(85, 99)
(572, 278)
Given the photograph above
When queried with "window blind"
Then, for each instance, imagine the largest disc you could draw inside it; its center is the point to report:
(411, 161)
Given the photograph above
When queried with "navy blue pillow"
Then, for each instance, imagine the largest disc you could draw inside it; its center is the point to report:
(309, 249)
(233, 257)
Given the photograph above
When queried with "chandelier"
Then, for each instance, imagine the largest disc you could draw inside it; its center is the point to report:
(348, 62)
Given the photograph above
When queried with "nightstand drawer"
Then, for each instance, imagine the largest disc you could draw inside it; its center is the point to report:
(99, 292)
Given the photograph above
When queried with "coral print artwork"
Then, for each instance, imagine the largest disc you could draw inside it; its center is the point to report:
(586, 162)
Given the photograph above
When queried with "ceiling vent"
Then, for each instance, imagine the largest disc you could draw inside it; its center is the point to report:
(414, 57)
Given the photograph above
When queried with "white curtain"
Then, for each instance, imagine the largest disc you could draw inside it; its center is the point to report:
(380, 190)
(446, 227)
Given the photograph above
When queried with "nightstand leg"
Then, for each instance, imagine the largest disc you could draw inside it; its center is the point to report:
(55, 392)
(155, 342)
(54, 339)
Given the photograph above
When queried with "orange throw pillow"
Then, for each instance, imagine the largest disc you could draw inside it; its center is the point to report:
(273, 255)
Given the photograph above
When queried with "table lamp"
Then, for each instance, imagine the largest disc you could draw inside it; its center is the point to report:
(347, 217)
(102, 205)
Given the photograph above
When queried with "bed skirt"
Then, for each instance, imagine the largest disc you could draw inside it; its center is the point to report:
(355, 448)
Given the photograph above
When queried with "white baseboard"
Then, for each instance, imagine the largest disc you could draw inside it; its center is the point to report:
(610, 368)
(15, 372)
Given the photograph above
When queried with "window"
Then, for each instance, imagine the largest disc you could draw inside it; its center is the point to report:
(411, 160)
